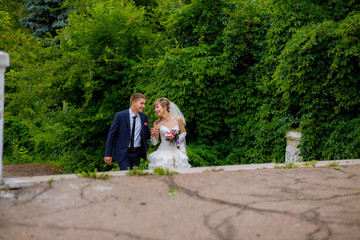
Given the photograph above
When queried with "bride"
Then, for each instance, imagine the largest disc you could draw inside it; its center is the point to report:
(170, 154)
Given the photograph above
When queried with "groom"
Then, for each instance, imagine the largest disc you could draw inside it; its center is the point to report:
(128, 135)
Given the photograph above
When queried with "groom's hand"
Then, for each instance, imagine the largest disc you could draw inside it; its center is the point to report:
(108, 160)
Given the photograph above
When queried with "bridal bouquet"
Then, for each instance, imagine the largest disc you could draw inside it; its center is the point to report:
(173, 137)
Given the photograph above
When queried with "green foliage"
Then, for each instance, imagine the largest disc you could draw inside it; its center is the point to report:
(200, 22)
(143, 164)
(243, 73)
(205, 155)
(5, 21)
(15, 11)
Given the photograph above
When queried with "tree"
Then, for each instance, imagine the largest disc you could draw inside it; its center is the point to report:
(45, 17)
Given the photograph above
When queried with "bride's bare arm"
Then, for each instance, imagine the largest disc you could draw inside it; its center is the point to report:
(155, 133)
(181, 123)
(182, 129)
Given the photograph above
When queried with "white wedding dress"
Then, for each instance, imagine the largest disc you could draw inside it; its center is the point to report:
(168, 155)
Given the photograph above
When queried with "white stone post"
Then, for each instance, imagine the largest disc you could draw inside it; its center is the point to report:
(4, 63)
(292, 152)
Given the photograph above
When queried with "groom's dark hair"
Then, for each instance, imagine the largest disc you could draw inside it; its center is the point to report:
(136, 96)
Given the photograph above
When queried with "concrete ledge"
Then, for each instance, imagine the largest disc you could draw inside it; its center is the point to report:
(19, 182)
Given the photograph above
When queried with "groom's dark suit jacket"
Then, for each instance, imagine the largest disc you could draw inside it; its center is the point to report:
(119, 136)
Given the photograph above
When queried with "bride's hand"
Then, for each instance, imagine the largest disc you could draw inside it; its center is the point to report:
(154, 131)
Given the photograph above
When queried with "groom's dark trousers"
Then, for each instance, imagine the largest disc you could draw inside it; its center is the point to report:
(117, 144)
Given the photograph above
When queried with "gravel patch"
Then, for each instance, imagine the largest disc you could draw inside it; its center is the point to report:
(29, 170)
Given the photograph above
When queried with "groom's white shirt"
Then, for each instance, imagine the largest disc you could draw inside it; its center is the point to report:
(137, 136)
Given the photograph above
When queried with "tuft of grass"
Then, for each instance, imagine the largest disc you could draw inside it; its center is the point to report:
(143, 164)
(291, 165)
(286, 166)
(277, 166)
(94, 175)
(159, 171)
(311, 164)
(50, 182)
(213, 170)
(104, 176)
(173, 192)
(163, 171)
(334, 165)
(136, 172)
(115, 167)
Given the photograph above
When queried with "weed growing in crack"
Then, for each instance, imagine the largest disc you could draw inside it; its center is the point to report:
(50, 181)
(173, 192)
(277, 166)
(157, 171)
(94, 175)
(311, 164)
(286, 166)
(293, 165)
(115, 168)
(136, 172)
(334, 165)
(163, 171)
(213, 170)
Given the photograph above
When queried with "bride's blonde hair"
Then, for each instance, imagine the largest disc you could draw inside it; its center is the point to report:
(165, 103)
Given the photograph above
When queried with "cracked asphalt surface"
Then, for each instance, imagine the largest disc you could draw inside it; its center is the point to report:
(301, 203)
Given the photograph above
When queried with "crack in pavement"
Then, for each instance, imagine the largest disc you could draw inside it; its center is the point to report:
(323, 225)
(88, 202)
(43, 188)
(33, 196)
(229, 232)
(335, 196)
(92, 229)
(312, 235)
